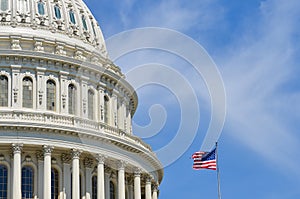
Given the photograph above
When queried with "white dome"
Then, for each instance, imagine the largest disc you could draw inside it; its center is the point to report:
(68, 25)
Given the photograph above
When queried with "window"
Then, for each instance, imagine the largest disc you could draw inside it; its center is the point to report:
(106, 109)
(23, 6)
(27, 182)
(72, 98)
(41, 8)
(94, 187)
(72, 17)
(3, 5)
(3, 182)
(90, 104)
(3, 90)
(112, 190)
(54, 183)
(27, 93)
(93, 27)
(51, 95)
(84, 22)
(57, 12)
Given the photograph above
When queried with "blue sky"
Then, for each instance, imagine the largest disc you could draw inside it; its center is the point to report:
(255, 45)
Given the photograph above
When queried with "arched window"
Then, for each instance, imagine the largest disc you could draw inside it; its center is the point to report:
(54, 183)
(91, 104)
(27, 182)
(57, 12)
(51, 95)
(112, 190)
(94, 187)
(3, 181)
(41, 7)
(27, 92)
(72, 99)
(84, 22)
(3, 5)
(72, 17)
(3, 90)
(106, 109)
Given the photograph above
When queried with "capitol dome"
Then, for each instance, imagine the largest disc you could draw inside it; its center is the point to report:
(66, 109)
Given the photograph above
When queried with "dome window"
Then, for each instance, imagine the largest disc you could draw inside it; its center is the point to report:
(93, 27)
(72, 99)
(41, 8)
(51, 95)
(84, 22)
(3, 5)
(3, 90)
(27, 93)
(72, 17)
(57, 12)
(91, 104)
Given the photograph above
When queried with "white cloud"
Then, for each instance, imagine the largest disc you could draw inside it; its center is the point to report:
(254, 74)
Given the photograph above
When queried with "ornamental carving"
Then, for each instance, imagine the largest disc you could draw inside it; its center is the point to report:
(75, 153)
(100, 158)
(40, 155)
(88, 162)
(60, 50)
(17, 148)
(15, 44)
(48, 149)
(66, 158)
(38, 46)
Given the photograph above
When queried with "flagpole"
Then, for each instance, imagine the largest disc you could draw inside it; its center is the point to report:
(218, 172)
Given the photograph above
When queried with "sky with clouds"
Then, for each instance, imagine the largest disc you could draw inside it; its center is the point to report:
(255, 45)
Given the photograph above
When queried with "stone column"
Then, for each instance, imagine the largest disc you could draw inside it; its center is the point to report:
(155, 189)
(137, 184)
(66, 160)
(148, 188)
(75, 174)
(100, 177)
(121, 180)
(40, 158)
(17, 148)
(107, 173)
(47, 171)
(88, 164)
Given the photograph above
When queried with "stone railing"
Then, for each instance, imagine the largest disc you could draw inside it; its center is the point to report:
(51, 120)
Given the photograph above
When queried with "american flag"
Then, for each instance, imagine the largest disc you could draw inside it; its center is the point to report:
(205, 160)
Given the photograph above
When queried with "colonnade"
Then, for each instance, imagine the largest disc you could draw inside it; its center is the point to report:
(150, 187)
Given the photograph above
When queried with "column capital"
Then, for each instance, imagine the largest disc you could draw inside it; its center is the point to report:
(155, 186)
(75, 153)
(66, 158)
(40, 155)
(121, 165)
(47, 149)
(137, 172)
(100, 158)
(148, 178)
(88, 162)
(16, 147)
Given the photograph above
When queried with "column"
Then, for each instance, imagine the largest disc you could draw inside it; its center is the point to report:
(137, 184)
(107, 171)
(17, 148)
(40, 158)
(47, 171)
(148, 187)
(100, 177)
(66, 159)
(155, 189)
(75, 174)
(88, 164)
(121, 180)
